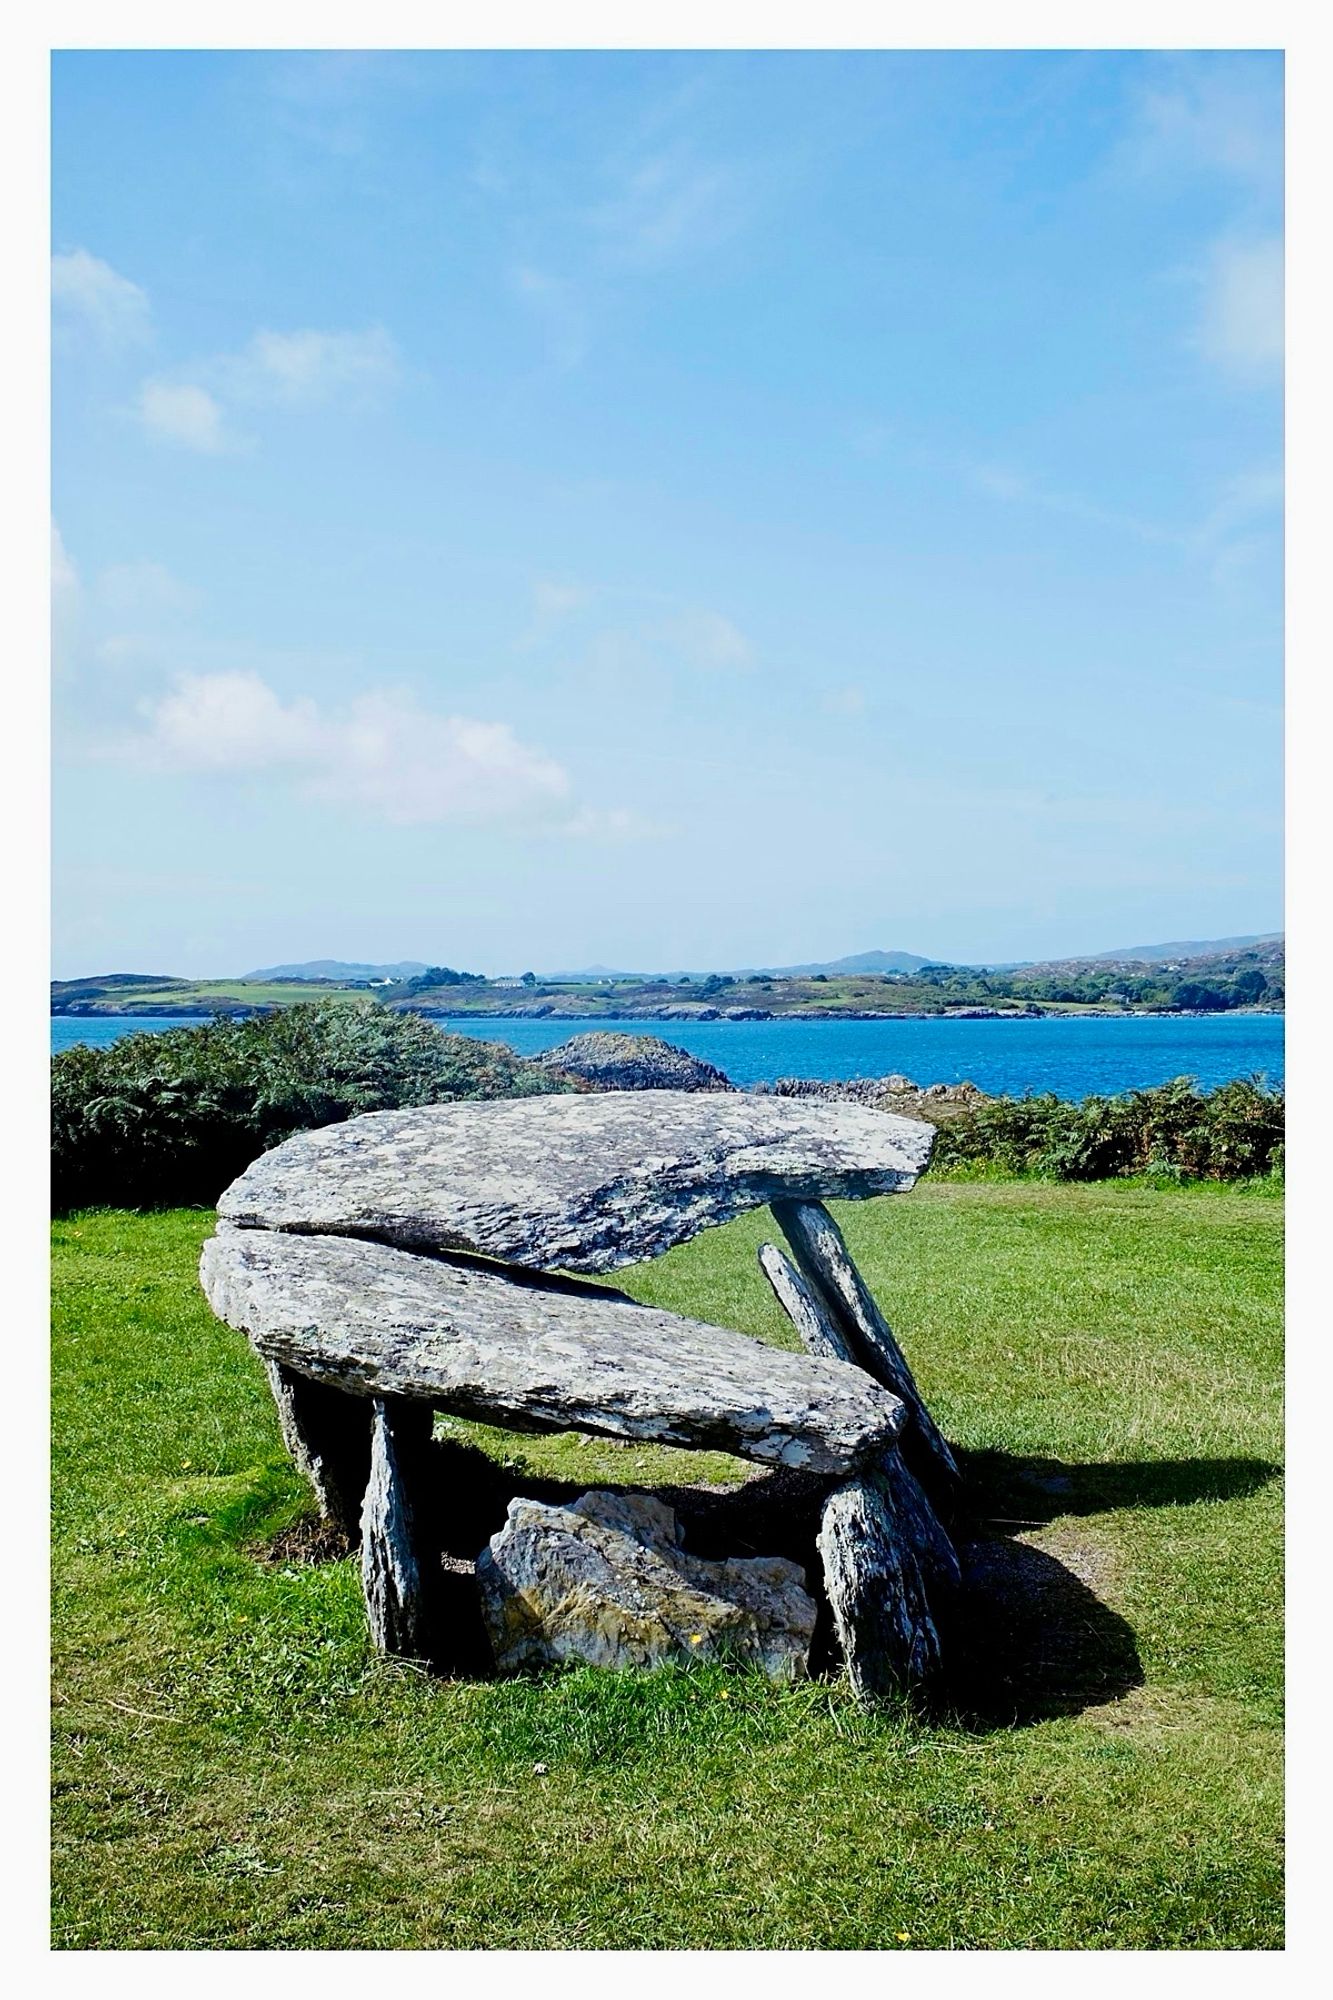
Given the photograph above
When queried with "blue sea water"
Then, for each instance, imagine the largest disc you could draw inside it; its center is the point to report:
(1072, 1056)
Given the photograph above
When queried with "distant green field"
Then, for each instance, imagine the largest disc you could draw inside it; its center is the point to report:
(199, 993)
(232, 1769)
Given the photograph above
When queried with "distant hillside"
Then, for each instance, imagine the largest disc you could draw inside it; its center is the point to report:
(99, 982)
(1157, 954)
(865, 961)
(339, 968)
(862, 961)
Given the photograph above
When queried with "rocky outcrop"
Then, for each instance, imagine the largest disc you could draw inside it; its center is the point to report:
(936, 1103)
(374, 1321)
(575, 1183)
(632, 1062)
(605, 1580)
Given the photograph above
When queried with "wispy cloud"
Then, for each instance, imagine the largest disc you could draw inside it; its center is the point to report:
(310, 366)
(1241, 318)
(1208, 114)
(710, 640)
(668, 205)
(652, 633)
(182, 413)
(305, 369)
(650, 206)
(333, 102)
(1014, 486)
(143, 588)
(87, 292)
(558, 308)
(1243, 504)
(1218, 117)
(66, 596)
(554, 601)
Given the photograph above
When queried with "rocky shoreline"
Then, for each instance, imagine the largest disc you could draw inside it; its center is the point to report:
(551, 1011)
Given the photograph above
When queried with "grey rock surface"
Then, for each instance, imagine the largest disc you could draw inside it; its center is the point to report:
(829, 1272)
(397, 1569)
(377, 1321)
(579, 1183)
(876, 1588)
(605, 1580)
(632, 1062)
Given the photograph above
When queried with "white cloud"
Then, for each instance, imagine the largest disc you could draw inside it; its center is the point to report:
(710, 640)
(1001, 482)
(143, 588)
(1246, 498)
(553, 599)
(1241, 322)
(66, 595)
(1209, 114)
(294, 370)
(383, 754)
(310, 367)
(613, 823)
(85, 289)
(669, 205)
(559, 310)
(64, 577)
(183, 413)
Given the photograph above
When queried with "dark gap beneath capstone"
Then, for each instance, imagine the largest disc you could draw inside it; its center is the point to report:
(1028, 1638)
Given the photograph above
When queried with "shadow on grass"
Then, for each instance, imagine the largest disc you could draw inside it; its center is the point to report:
(1011, 1492)
(1029, 1637)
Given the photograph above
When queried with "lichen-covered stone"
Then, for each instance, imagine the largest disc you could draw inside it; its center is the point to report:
(580, 1183)
(605, 1580)
(376, 1321)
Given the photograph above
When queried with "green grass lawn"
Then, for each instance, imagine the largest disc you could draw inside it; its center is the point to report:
(233, 1769)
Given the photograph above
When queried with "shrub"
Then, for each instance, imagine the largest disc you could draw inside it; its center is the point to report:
(1176, 1131)
(171, 1118)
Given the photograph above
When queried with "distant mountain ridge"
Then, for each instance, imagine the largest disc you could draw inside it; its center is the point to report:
(340, 968)
(861, 961)
(1153, 954)
(863, 964)
(910, 961)
(865, 961)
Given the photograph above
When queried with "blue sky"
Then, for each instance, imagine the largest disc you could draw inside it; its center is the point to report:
(665, 510)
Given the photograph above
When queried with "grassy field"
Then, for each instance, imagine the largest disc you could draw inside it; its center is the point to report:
(209, 995)
(232, 1769)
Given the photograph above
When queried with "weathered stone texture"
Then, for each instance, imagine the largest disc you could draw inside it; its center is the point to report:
(823, 1257)
(605, 1580)
(382, 1322)
(876, 1589)
(584, 1183)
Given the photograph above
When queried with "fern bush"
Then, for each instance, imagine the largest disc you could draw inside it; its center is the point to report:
(169, 1118)
(1174, 1131)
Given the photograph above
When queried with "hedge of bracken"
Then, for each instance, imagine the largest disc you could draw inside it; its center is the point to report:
(170, 1118)
(1174, 1132)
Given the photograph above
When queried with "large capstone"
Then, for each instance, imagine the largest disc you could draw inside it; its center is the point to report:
(375, 1321)
(606, 1581)
(578, 1183)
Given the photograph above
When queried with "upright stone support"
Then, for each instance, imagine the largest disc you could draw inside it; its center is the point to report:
(876, 1589)
(327, 1432)
(884, 1552)
(399, 1567)
(822, 1255)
